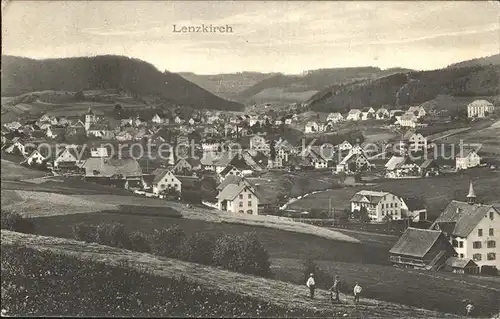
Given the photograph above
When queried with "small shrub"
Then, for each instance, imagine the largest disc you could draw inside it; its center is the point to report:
(226, 252)
(85, 232)
(244, 254)
(168, 242)
(199, 248)
(15, 222)
(112, 235)
(139, 242)
(254, 257)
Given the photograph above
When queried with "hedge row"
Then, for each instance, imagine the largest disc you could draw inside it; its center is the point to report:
(241, 253)
(43, 283)
(15, 222)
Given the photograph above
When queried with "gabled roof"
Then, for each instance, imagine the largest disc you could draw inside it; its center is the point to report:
(354, 111)
(480, 103)
(372, 197)
(226, 170)
(427, 163)
(159, 174)
(465, 216)
(415, 242)
(188, 181)
(456, 262)
(232, 190)
(463, 153)
(230, 179)
(110, 166)
(414, 203)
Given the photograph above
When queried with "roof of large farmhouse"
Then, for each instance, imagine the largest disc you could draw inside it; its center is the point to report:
(480, 103)
(415, 242)
(232, 190)
(372, 196)
(465, 216)
(110, 166)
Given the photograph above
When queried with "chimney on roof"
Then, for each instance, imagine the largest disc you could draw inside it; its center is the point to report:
(471, 197)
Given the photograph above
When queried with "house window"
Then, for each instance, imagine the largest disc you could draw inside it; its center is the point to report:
(491, 256)
(454, 243)
(241, 211)
(249, 203)
(461, 244)
(491, 215)
(491, 244)
(249, 196)
(480, 232)
(241, 204)
(476, 257)
(461, 255)
(241, 196)
(476, 245)
(249, 211)
(491, 232)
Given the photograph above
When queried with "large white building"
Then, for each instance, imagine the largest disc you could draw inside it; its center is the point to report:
(378, 204)
(473, 230)
(467, 159)
(480, 108)
(237, 195)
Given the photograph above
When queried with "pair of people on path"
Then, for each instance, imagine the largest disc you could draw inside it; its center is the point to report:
(337, 284)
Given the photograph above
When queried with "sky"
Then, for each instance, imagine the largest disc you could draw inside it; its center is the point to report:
(268, 36)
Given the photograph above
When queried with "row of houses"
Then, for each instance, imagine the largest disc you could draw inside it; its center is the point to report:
(462, 240)
(408, 118)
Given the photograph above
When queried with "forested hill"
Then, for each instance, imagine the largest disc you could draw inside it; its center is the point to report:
(23, 75)
(409, 88)
(488, 60)
(312, 81)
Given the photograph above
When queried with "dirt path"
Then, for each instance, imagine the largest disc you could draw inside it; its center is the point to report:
(276, 292)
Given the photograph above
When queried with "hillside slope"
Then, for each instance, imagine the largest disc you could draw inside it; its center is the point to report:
(492, 59)
(400, 89)
(22, 75)
(226, 85)
(281, 86)
(276, 292)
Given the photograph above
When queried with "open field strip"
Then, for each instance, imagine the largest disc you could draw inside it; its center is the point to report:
(276, 292)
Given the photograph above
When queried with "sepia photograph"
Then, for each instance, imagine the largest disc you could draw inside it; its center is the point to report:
(250, 159)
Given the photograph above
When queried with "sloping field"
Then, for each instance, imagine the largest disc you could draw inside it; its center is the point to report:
(14, 171)
(276, 292)
(429, 290)
(40, 204)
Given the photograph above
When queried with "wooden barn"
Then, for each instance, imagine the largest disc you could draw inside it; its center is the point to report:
(421, 249)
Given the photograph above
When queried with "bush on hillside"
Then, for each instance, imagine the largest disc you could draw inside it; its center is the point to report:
(168, 242)
(15, 222)
(199, 248)
(112, 234)
(43, 283)
(244, 254)
(139, 242)
(84, 232)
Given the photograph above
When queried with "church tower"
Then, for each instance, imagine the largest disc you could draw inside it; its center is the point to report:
(471, 197)
(89, 119)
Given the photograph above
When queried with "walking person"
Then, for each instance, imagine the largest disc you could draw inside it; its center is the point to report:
(335, 289)
(468, 309)
(357, 292)
(311, 284)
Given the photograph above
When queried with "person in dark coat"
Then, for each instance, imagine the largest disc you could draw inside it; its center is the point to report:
(335, 289)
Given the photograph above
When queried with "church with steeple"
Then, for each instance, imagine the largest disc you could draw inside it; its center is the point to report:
(473, 229)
